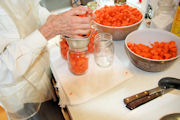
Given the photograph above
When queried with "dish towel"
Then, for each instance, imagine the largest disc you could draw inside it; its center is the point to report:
(77, 89)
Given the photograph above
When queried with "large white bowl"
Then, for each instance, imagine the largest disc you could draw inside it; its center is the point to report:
(146, 37)
(120, 33)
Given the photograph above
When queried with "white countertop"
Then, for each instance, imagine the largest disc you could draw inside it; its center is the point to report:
(110, 106)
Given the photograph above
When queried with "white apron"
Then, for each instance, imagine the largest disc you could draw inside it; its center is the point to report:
(24, 60)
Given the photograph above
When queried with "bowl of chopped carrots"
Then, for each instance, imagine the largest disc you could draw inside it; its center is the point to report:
(152, 50)
(118, 20)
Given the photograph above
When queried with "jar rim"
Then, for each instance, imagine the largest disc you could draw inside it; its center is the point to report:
(107, 42)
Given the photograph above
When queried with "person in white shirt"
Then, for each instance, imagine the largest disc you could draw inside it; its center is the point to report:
(25, 28)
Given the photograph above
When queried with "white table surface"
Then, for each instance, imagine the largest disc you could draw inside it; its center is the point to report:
(110, 106)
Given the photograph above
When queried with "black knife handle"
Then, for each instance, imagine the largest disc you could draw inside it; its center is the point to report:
(138, 102)
(135, 97)
(169, 82)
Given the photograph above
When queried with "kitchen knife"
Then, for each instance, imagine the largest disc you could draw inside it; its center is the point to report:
(136, 103)
(165, 85)
(140, 95)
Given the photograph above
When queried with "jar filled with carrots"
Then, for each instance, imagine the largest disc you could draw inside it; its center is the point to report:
(64, 47)
(78, 60)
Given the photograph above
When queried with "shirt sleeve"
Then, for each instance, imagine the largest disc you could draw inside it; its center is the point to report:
(43, 14)
(16, 57)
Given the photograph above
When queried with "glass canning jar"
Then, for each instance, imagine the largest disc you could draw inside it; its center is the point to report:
(21, 99)
(78, 60)
(165, 7)
(103, 49)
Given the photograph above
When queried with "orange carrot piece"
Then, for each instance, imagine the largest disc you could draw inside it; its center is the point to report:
(158, 50)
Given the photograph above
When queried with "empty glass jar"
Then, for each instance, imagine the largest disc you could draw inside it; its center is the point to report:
(103, 49)
(164, 15)
(21, 100)
(166, 7)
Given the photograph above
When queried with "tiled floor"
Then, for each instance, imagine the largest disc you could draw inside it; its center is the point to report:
(49, 111)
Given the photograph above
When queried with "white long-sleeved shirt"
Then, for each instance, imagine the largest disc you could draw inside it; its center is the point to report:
(24, 64)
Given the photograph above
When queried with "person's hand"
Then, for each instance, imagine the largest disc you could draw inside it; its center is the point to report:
(67, 24)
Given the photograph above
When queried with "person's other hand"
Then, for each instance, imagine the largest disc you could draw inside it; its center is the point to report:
(67, 23)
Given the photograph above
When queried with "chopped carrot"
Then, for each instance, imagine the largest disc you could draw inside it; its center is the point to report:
(70, 93)
(78, 62)
(158, 50)
(91, 41)
(64, 48)
(118, 15)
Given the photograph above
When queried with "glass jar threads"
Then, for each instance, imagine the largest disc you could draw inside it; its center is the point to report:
(103, 49)
(78, 60)
(166, 7)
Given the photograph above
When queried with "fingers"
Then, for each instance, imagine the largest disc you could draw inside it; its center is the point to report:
(75, 34)
(82, 20)
(83, 26)
(78, 11)
(69, 24)
(81, 32)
